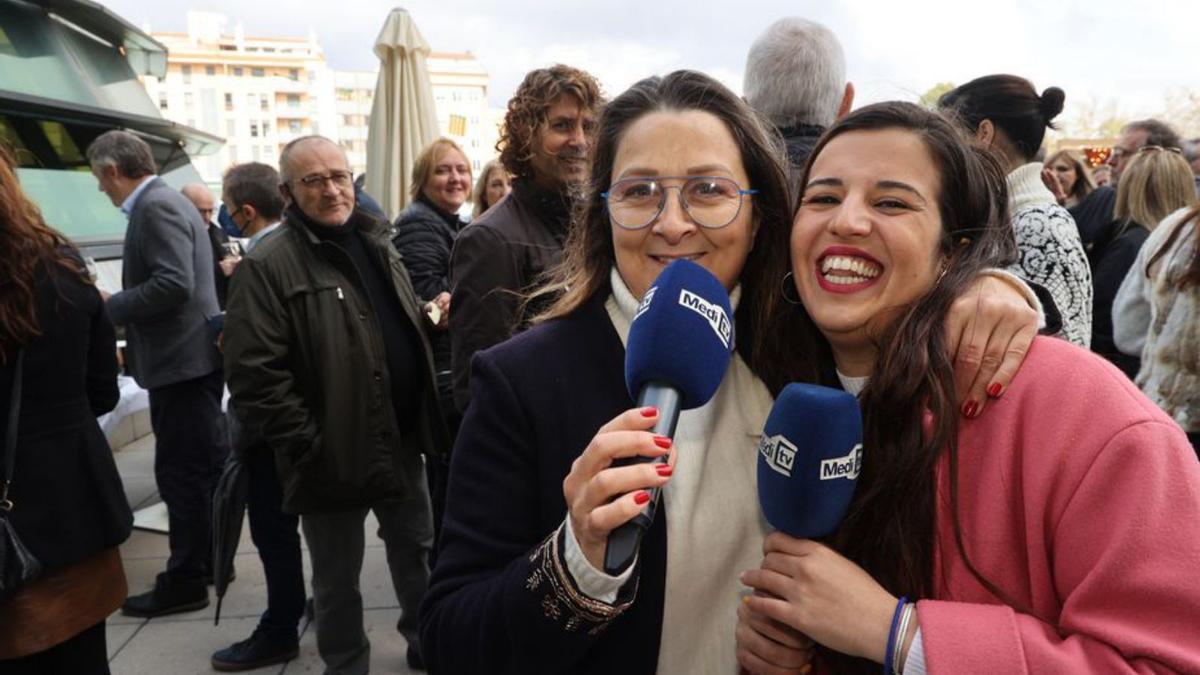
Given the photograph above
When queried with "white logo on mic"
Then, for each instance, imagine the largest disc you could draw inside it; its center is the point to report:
(713, 313)
(779, 453)
(847, 467)
(645, 303)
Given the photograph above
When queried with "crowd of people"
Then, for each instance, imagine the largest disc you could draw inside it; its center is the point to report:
(1022, 334)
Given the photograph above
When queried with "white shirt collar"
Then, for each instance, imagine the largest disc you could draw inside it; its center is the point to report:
(131, 200)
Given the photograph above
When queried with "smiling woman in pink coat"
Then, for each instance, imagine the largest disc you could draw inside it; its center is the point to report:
(1059, 533)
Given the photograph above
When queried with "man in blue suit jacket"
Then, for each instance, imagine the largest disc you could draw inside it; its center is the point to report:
(167, 299)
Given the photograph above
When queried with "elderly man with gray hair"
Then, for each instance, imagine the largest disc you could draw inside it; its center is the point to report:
(167, 299)
(796, 78)
(328, 358)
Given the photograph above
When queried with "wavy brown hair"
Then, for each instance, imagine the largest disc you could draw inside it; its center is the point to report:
(527, 111)
(890, 527)
(1084, 184)
(26, 243)
(778, 340)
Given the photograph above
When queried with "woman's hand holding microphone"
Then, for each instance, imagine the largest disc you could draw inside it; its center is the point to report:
(601, 497)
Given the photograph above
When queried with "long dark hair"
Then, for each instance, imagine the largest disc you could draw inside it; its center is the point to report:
(26, 244)
(890, 527)
(770, 333)
(1012, 105)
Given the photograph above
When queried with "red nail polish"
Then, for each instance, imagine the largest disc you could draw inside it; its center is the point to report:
(664, 470)
(650, 412)
(968, 409)
(641, 497)
(995, 389)
(662, 442)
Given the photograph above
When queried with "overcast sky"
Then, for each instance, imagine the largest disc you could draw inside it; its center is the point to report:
(1100, 51)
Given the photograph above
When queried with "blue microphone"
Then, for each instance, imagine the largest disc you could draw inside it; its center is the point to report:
(679, 347)
(809, 459)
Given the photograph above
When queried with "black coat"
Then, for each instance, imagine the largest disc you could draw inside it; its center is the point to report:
(68, 500)
(1118, 256)
(496, 603)
(424, 239)
(501, 255)
(307, 369)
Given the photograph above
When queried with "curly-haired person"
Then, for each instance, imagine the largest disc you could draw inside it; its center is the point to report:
(545, 144)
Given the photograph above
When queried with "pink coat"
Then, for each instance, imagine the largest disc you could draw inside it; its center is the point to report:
(1081, 500)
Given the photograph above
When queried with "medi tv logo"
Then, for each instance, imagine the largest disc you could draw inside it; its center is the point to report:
(779, 453)
(714, 314)
(847, 467)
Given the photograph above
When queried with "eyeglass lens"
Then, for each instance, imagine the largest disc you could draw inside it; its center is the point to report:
(710, 201)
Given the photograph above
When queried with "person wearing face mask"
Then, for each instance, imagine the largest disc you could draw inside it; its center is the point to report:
(1007, 116)
(683, 168)
(493, 185)
(328, 361)
(1058, 533)
(546, 141)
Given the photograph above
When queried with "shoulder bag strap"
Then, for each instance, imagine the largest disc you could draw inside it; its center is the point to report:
(10, 439)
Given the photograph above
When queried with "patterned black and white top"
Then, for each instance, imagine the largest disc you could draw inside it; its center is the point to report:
(1052, 255)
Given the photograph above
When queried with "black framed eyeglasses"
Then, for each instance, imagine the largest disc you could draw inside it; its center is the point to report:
(711, 201)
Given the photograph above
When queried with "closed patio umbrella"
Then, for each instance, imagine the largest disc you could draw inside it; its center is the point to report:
(403, 117)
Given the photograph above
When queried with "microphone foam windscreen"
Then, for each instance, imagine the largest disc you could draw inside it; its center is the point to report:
(809, 459)
(682, 334)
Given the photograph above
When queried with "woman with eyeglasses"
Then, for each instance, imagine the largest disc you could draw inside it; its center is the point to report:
(1006, 115)
(1156, 183)
(1059, 533)
(682, 169)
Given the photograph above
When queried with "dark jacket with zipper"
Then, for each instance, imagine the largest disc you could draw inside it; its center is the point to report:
(306, 364)
(500, 256)
(425, 238)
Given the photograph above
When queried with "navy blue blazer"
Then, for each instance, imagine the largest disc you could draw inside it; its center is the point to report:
(498, 600)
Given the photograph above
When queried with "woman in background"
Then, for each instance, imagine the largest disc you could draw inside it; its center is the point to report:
(1006, 115)
(1074, 180)
(1156, 183)
(492, 186)
(68, 505)
(1157, 314)
(1027, 542)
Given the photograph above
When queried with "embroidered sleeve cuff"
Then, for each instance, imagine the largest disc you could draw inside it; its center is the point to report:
(592, 582)
(915, 663)
(1019, 284)
(560, 596)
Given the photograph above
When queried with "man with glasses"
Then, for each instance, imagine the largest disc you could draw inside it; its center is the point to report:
(328, 361)
(547, 142)
(1137, 135)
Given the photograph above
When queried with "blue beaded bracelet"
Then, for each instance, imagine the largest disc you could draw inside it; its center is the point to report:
(891, 643)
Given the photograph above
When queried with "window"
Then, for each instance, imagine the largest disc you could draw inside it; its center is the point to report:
(345, 94)
(294, 126)
(237, 71)
(189, 100)
(294, 75)
(256, 72)
(229, 101)
(187, 74)
(210, 70)
(293, 100)
(262, 100)
(162, 100)
(256, 153)
(266, 127)
(254, 130)
(251, 99)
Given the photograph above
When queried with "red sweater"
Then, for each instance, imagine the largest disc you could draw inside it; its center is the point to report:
(1081, 500)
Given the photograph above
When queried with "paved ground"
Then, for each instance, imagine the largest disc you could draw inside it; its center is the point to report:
(182, 643)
